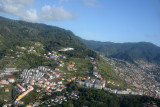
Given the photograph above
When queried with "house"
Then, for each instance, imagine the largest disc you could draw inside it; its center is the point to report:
(38, 90)
(48, 94)
(58, 89)
(6, 90)
(12, 80)
(56, 69)
(19, 86)
(4, 82)
(37, 104)
(59, 82)
(123, 92)
(1, 86)
(95, 73)
(68, 80)
(93, 83)
(98, 84)
(40, 97)
(32, 81)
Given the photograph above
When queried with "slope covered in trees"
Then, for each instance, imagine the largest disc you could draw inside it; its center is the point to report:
(126, 51)
(13, 33)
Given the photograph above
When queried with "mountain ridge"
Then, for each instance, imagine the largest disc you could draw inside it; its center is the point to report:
(126, 51)
(18, 32)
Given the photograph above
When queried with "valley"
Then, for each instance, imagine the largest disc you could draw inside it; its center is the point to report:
(43, 65)
(140, 77)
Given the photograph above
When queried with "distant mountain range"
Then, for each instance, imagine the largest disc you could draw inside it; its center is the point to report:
(126, 51)
(13, 33)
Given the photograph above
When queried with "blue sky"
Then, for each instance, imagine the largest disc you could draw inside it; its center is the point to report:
(102, 20)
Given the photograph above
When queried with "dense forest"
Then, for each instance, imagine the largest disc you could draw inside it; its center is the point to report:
(126, 51)
(100, 98)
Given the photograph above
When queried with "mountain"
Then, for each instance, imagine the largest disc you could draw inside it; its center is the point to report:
(23, 46)
(13, 33)
(126, 51)
(32, 55)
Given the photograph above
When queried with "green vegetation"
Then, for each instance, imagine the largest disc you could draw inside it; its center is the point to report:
(9, 96)
(82, 64)
(15, 33)
(43, 38)
(23, 45)
(109, 75)
(126, 51)
(99, 98)
(31, 97)
(19, 36)
(1, 102)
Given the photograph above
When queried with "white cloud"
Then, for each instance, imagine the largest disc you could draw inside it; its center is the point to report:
(17, 8)
(55, 13)
(31, 15)
(23, 9)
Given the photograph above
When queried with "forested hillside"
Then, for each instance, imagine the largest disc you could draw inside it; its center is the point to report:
(126, 51)
(13, 33)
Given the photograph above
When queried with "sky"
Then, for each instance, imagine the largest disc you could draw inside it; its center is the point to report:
(102, 20)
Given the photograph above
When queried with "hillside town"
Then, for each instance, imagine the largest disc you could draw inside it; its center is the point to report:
(45, 81)
(136, 76)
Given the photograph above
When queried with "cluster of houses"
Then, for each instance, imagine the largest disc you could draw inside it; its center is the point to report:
(74, 95)
(59, 99)
(137, 77)
(50, 102)
(61, 64)
(96, 71)
(96, 74)
(71, 67)
(32, 49)
(43, 77)
(56, 86)
(48, 81)
(93, 60)
(101, 84)
(34, 74)
(113, 83)
(19, 54)
(54, 55)
(4, 83)
(127, 91)
(92, 83)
